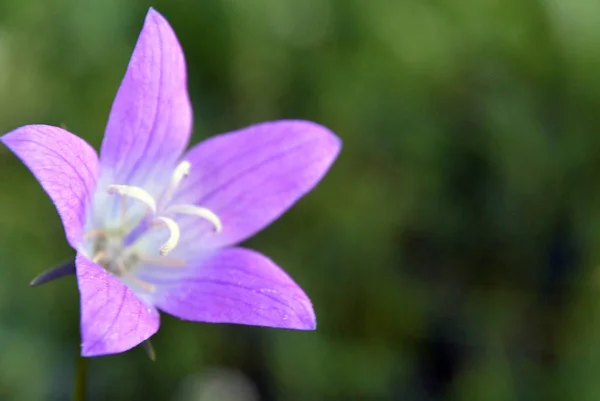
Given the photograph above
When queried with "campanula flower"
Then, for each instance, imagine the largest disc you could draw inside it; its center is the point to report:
(155, 227)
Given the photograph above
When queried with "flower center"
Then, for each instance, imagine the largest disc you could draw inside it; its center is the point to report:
(141, 239)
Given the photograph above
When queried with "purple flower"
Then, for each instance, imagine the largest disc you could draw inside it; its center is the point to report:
(154, 227)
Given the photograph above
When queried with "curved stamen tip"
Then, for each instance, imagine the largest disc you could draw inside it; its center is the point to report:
(133, 192)
(181, 171)
(173, 239)
(202, 212)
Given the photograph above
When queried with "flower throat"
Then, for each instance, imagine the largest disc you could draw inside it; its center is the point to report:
(118, 250)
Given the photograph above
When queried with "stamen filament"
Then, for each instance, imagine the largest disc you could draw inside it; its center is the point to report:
(201, 212)
(144, 285)
(122, 271)
(134, 192)
(96, 233)
(123, 210)
(173, 239)
(162, 261)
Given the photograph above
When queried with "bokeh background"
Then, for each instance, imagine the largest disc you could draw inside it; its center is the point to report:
(451, 253)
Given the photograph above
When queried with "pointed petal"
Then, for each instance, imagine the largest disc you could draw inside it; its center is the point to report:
(66, 167)
(113, 319)
(151, 117)
(237, 285)
(251, 176)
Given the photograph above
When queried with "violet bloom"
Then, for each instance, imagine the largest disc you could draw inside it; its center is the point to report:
(153, 227)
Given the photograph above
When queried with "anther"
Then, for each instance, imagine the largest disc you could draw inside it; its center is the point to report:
(201, 212)
(134, 192)
(173, 239)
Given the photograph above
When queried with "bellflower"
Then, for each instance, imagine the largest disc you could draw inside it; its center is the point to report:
(155, 227)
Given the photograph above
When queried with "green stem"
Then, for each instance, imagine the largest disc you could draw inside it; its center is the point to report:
(79, 384)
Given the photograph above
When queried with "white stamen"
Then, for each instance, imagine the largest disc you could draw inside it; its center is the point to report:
(181, 171)
(198, 211)
(134, 192)
(173, 239)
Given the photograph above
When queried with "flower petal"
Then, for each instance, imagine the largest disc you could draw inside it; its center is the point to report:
(237, 285)
(113, 319)
(66, 167)
(151, 117)
(251, 176)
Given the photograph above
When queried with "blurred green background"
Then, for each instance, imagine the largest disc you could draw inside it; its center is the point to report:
(451, 253)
